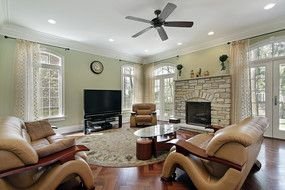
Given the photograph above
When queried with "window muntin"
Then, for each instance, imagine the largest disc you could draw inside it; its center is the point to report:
(51, 85)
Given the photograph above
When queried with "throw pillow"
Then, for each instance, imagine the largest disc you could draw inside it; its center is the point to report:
(39, 129)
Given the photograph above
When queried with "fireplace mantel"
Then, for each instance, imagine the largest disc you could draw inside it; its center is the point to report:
(204, 77)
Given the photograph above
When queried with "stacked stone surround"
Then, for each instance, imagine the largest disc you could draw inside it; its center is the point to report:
(214, 89)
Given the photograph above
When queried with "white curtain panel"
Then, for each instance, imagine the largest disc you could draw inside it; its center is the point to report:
(138, 83)
(27, 80)
(240, 71)
(149, 83)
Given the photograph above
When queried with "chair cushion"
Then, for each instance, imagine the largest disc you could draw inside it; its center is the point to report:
(49, 149)
(144, 112)
(143, 118)
(39, 129)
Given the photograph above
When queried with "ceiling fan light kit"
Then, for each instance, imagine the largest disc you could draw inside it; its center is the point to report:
(159, 21)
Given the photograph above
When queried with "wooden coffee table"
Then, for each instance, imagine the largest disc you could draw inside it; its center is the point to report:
(159, 134)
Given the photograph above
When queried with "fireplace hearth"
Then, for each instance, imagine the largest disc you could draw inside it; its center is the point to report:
(198, 113)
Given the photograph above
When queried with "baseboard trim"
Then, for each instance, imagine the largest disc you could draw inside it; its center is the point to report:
(76, 128)
(69, 129)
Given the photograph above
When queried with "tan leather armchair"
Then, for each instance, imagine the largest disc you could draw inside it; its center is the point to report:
(220, 160)
(44, 163)
(143, 114)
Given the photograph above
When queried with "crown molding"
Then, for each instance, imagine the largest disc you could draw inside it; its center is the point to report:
(41, 37)
(4, 16)
(257, 30)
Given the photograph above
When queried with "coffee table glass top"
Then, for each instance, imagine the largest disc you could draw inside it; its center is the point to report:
(156, 130)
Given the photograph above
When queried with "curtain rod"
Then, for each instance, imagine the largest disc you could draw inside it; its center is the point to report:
(261, 35)
(66, 49)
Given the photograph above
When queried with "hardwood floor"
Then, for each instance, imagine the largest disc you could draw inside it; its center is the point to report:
(271, 176)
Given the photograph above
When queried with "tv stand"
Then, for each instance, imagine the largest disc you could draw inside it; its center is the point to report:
(99, 122)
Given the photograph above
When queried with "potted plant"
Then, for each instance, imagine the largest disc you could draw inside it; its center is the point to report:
(223, 59)
(179, 68)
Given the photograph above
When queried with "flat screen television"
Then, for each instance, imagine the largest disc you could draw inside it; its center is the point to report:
(98, 102)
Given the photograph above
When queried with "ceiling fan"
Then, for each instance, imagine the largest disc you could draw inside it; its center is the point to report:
(159, 21)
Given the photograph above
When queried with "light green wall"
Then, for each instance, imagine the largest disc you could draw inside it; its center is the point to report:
(207, 60)
(77, 76)
(7, 52)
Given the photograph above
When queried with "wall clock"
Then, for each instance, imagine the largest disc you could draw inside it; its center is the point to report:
(96, 67)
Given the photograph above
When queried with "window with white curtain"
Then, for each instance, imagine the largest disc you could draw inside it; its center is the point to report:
(51, 85)
(128, 88)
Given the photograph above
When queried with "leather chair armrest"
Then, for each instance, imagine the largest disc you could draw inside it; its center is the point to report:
(186, 148)
(61, 157)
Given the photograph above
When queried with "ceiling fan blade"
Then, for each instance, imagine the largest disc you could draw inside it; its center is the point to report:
(138, 19)
(168, 9)
(143, 31)
(178, 24)
(162, 33)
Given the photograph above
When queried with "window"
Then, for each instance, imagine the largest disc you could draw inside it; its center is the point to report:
(164, 91)
(51, 85)
(267, 50)
(127, 87)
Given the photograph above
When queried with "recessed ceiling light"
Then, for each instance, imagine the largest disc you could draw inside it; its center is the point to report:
(179, 43)
(269, 6)
(211, 33)
(51, 21)
(111, 40)
(146, 50)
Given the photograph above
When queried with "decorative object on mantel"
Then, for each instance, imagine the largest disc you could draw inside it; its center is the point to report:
(199, 73)
(206, 73)
(223, 59)
(192, 75)
(179, 68)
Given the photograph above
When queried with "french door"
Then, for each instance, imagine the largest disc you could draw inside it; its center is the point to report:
(164, 96)
(268, 94)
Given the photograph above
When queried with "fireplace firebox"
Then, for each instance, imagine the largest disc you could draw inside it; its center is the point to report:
(198, 113)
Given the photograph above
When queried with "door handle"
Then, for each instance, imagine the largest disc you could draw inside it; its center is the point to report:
(275, 100)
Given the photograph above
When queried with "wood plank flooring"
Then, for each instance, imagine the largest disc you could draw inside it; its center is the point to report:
(271, 176)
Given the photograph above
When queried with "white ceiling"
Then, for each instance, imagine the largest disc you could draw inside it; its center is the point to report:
(93, 22)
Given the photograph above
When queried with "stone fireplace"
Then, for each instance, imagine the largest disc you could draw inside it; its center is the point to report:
(214, 90)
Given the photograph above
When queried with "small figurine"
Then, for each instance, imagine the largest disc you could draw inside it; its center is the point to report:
(192, 75)
(198, 74)
(206, 73)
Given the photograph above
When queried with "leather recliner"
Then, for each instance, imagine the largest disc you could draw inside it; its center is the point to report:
(143, 114)
(220, 160)
(18, 150)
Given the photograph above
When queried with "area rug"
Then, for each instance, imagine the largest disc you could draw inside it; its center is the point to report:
(115, 148)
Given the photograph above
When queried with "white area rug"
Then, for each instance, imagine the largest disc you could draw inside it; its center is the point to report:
(115, 148)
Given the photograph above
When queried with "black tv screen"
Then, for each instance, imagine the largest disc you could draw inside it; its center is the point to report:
(102, 101)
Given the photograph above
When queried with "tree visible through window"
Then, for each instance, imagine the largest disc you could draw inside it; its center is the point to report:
(127, 87)
(51, 85)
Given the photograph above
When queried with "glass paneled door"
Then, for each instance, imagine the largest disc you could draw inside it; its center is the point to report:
(164, 91)
(279, 99)
(268, 95)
